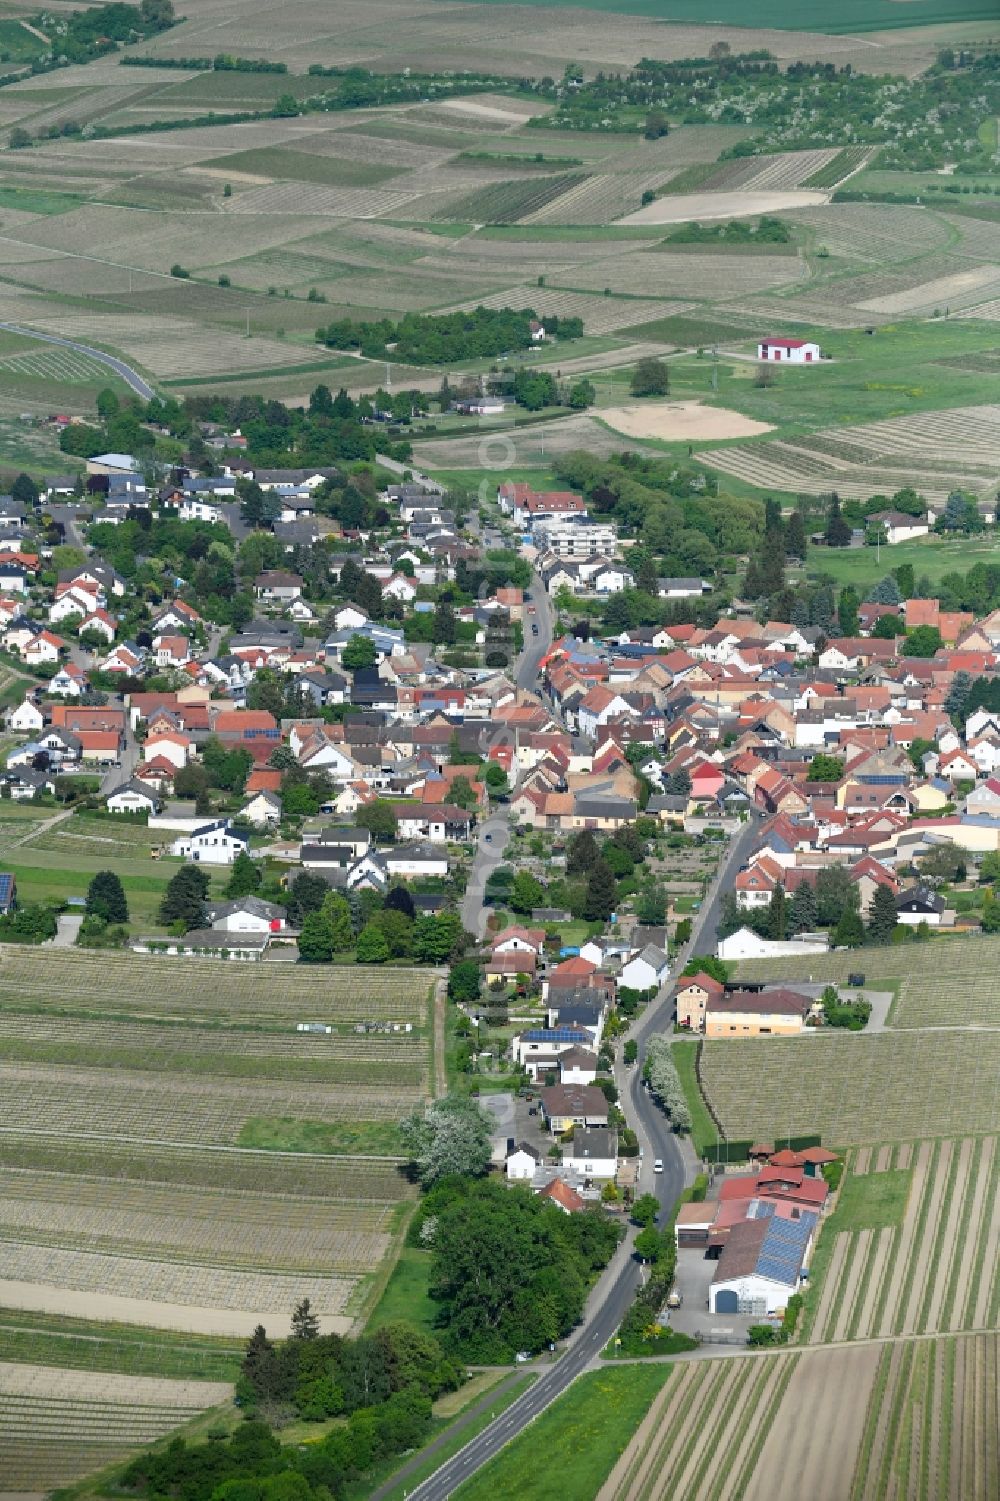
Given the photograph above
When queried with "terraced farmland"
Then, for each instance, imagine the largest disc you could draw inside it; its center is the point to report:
(933, 1268)
(892, 1086)
(57, 1426)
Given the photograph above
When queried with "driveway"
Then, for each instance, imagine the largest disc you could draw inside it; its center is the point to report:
(68, 926)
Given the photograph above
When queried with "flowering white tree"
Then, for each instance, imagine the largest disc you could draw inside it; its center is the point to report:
(664, 1083)
(452, 1135)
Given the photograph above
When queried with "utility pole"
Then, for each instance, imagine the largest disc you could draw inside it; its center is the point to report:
(247, 310)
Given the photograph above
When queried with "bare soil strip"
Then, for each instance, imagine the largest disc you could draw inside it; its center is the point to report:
(121, 1310)
(905, 1154)
(745, 1463)
(675, 1412)
(884, 1159)
(724, 1387)
(862, 1160)
(959, 1281)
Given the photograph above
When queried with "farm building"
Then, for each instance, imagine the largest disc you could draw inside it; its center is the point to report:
(899, 527)
(788, 351)
(761, 1263)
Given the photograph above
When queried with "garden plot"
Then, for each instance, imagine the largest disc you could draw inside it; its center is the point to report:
(891, 1086)
(56, 1426)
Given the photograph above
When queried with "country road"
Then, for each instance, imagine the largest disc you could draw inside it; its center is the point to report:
(131, 377)
(616, 1288)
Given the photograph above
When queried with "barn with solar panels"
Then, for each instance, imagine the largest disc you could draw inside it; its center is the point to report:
(762, 1263)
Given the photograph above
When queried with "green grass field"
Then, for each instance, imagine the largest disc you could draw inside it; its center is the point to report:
(578, 1439)
(703, 1131)
(405, 1295)
(933, 556)
(345, 1138)
(872, 1201)
(800, 15)
(81, 1344)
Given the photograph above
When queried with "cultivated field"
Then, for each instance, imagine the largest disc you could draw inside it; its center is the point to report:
(914, 1418)
(947, 985)
(137, 1096)
(680, 422)
(919, 1251)
(933, 451)
(57, 1426)
(767, 1428)
(892, 1086)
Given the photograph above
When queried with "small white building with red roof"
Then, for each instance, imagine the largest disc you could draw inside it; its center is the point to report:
(788, 351)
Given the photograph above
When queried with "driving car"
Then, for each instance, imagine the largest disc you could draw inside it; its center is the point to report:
(658, 1165)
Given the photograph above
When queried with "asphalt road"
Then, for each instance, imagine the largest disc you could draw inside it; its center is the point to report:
(131, 377)
(535, 647)
(493, 837)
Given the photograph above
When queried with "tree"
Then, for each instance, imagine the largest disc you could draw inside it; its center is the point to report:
(465, 981)
(802, 910)
(849, 932)
(990, 919)
(24, 491)
(777, 914)
(795, 536)
(184, 899)
(881, 915)
(582, 394)
(526, 893)
(648, 1244)
(885, 592)
(602, 896)
(378, 818)
(582, 853)
(244, 876)
(450, 1135)
(847, 610)
(645, 1209)
(445, 625)
(306, 894)
(400, 900)
(19, 138)
(961, 683)
(462, 794)
(838, 532)
(359, 654)
(315, 941)
(106, 898)
(373, 946)
(650, 378)
(836, 893)
(923, 641)
(305, 1324)
(825, 768)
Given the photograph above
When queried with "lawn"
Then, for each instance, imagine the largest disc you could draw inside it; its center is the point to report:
(571, 1449)
(405, 1295)
(872, 1201)
(933, 556)
(703, 1130)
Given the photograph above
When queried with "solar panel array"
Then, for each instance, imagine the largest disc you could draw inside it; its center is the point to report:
(6, 888)
(553, 1034)
(784, 1249)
